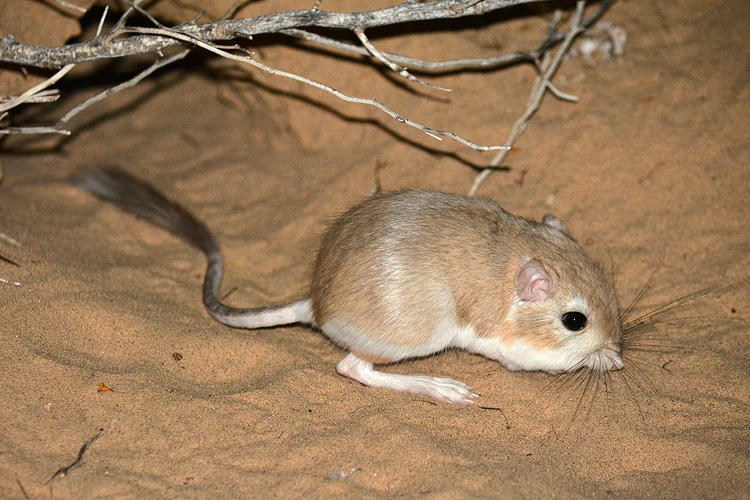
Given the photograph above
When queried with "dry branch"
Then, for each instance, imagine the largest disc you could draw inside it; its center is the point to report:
(106, 47)
(122, 41)
(547, 69)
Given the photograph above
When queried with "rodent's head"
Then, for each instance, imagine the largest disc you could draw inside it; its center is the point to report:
(565, 311)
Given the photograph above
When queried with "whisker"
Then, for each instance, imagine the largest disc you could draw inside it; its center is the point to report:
(679, 302)
(646, 286)
(586, 382)
(632, 393)
(570, 380)
(634, 361)
(558, 383)
(654, 347)
(582, 387)
(690, 321)
(642, 373)
(600, 378)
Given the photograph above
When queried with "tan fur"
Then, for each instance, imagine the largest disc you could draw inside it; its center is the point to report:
(400, 263)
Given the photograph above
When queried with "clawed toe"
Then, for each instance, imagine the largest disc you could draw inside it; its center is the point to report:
(452, 391)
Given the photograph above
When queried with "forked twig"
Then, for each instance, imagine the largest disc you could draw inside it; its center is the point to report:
(227, 29)
(413, 63)
(125, 85)
(12, 103)
(293, 23)
(248, 59)
(547, 70)
(393, 66)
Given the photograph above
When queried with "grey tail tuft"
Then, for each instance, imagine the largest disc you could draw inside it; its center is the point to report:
(142, 200)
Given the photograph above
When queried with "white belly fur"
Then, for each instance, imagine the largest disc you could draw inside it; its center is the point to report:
(447, 335)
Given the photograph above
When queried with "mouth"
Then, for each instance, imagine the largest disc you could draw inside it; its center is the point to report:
(613, 359)
(605, 359)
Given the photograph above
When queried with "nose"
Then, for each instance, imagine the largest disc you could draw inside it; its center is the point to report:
(617, 363)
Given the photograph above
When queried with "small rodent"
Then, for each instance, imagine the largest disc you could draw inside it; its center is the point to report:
(411, 273)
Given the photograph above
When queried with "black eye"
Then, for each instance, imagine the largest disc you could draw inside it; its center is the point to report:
(574, 321)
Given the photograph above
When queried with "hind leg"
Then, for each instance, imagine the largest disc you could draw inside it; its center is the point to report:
(444, 389)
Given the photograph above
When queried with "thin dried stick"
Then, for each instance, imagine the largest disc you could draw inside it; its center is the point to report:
(8, 46)
(357, 22)
(457, 64)
(39, 94)
(101, 21)
(125, 85)
(409, 11)
(547, 70)
(393, 66)
(32, 131)
(12, 103)
(48, 95)
(425, 66)
(9, 240)
(437, 134)
(63, 471)
(11, 262)
(58, 128)
(67, 5)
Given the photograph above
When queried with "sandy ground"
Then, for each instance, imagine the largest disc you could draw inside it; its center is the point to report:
(650, 170)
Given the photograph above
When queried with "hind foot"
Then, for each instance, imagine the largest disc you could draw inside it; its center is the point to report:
(443, 389)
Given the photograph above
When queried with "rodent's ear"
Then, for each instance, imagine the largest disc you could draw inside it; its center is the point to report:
(533, 283)
(552, 221)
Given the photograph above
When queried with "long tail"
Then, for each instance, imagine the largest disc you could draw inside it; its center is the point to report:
(142, 200)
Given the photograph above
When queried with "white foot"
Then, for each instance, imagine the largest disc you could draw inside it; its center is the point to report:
(444, 389)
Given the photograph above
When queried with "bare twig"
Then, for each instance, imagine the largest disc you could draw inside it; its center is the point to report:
(120, 22)
(68, 5)
(39, 94)
(12, 103)
(197, 35)
(112, 44)
(122, 41)
(9, 240)
(48, 95)
(409, 11)
(437, 134)
(35, 95)
(457, 64)
(125, 85)
(101, 21)
(33, 131)
(424, 66)
(393, 66)
(62, 471)
(547, 70)
(23, 490)
(6, 259)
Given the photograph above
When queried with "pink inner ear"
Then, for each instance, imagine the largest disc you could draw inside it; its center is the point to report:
(533, 284)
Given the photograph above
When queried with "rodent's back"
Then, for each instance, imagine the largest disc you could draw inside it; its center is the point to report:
(404, 262)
